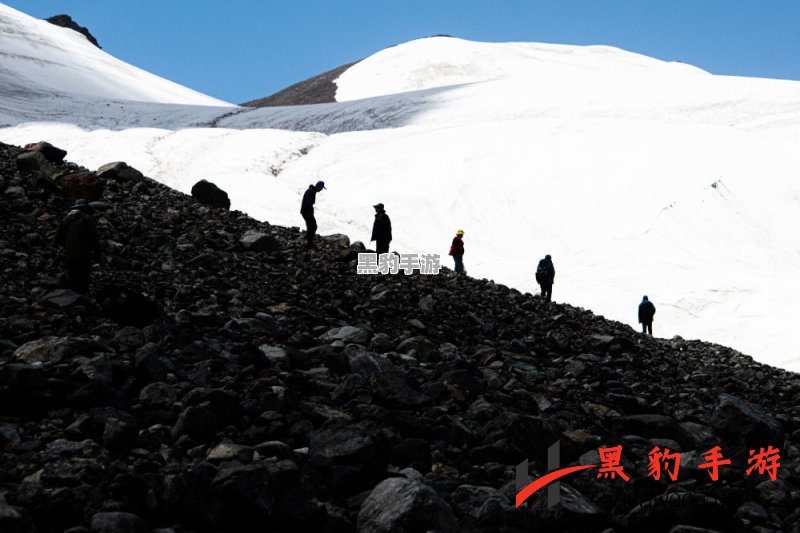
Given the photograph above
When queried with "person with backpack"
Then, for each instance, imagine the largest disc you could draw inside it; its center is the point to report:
(646, 312)
(381, 230)
(545, 275)
(77, 234)
(457, 251)
(307, 210)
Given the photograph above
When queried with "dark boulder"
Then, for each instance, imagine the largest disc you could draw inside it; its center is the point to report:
(209, 194)
(50, 152)
(65, 21)
(82, 185)
(387, 383)
(119, 171)
(746, 424)
(33, 161)
(399, 505)
(127, 307)
(116, 522)
(258, 241)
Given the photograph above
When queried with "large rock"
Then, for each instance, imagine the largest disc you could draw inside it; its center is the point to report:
(127, 307)
(11, 520)
(209, 194)
(151, 364)
(33, 161)
(157, 395)
(119, 171)
(388, 384)
(50, 350)
(117, 523)
(420, 346)
(258, 241)
(228, 451)
(744, 423)
(65, 21)
(399, 505)
(62, 298)
(199, 422)
(82, 185)
(338, 240)
(485, 505)
(348, 334)
(50, 152)
(118, 434)
(343, 443)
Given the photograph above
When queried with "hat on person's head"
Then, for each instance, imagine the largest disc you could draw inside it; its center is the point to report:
(378, 206)
(320, 184)
(460, 232)
(644, 298)
(547, 256)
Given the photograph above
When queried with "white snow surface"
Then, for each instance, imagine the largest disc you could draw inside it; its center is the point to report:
(638, 176)
(44, 59)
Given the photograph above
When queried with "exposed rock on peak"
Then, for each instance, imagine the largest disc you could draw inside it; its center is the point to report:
(319, 89)
(65, 21)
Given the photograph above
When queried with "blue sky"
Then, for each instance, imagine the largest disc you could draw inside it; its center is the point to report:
(240, 50)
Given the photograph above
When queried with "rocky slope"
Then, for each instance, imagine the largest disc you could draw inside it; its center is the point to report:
(221, 378)
(319, 89)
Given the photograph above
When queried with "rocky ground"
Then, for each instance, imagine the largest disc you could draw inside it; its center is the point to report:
(221, 378)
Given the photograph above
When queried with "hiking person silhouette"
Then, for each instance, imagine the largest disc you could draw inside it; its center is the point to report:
(381, 230)
(307, 210)
(457, 250)
(646, 312)
(545, 275)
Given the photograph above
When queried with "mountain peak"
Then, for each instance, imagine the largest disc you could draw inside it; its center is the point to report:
(42, 58)
(65, 21)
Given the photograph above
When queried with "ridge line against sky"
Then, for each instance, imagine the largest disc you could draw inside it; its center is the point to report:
(241, 50)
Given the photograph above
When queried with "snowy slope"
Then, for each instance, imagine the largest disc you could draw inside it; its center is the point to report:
(39, 58)
(443, 61)
(639, 176)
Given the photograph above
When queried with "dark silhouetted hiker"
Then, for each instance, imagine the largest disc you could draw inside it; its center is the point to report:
(307, 210)
(381, 230)
(77, 233)
(457, 250)
(545, 275)
(646, 312)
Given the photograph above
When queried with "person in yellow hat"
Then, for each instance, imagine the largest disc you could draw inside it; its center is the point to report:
(457, 250)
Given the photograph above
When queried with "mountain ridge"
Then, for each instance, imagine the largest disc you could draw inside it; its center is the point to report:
(319, 89)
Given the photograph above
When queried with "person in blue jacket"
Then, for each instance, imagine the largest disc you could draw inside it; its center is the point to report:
(646, 312)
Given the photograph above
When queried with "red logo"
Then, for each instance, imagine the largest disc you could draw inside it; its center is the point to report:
(765, 461)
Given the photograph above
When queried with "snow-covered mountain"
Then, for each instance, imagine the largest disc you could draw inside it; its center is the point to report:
(50, 65)
(638, 176)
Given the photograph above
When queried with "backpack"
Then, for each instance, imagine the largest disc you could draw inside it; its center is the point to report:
(541, 272)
